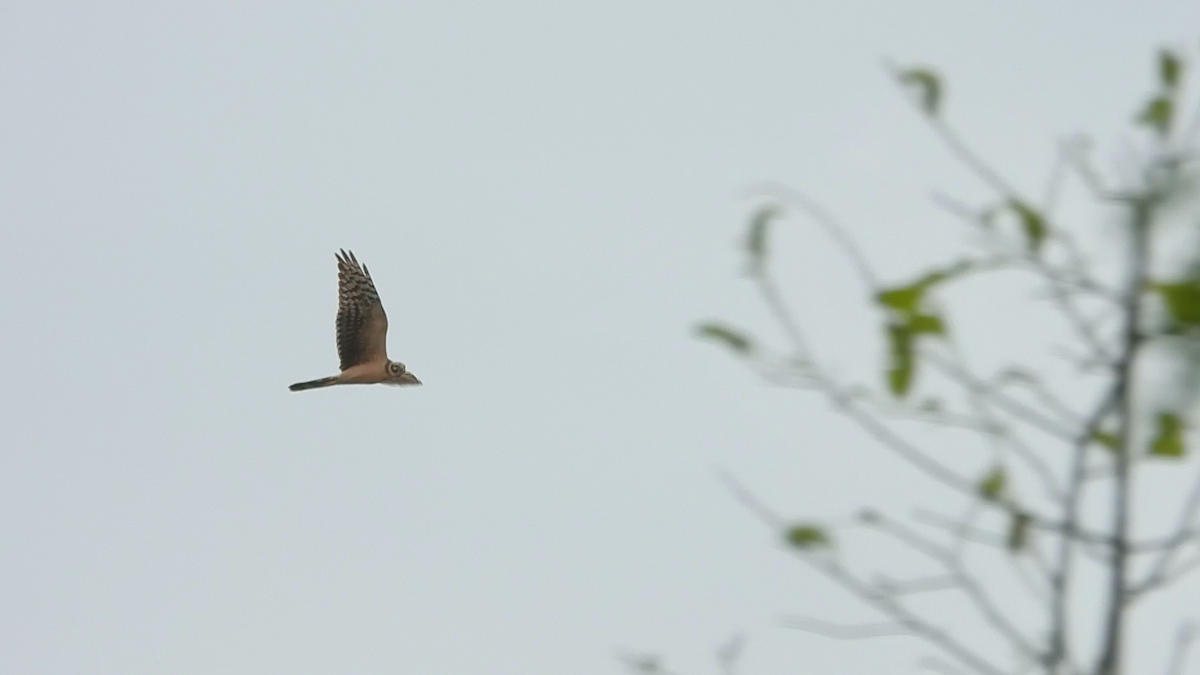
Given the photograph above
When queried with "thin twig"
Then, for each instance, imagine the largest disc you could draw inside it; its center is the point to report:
(1184, 637)
(969, 585)
(1169, 576)
(1110, 657)
(876, 598)
(764, 512)
(1015, 377)
(1055, 184)
(1061, 575)
(939, 666)
(1058, 287)
(837, 631)
(901, 615)
(1183, 534)
(881, 433)
(832, 226)
(730, 653)
(1009, 405)
(926, 585)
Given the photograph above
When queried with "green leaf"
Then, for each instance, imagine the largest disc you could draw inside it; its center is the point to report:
(1157, 115)
(807, 537)
(1032, 223)
(904, 300)
(903, 362)
(1107, 439)
(1169, 68)
(727, 336)
(991, 486)
(907, 299)
(927, 324)
(1018, 531)
(929, 85)
(1169, 441)
(1182, 300)
(756, 236)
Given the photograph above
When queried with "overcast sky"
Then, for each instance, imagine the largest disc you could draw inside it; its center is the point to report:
(549, 196)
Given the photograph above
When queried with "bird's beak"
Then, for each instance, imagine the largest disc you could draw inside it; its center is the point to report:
(408, 378)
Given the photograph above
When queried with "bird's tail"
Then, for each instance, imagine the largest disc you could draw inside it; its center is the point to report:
(314, 384)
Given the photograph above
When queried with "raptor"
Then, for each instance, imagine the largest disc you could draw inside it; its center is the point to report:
(361, 333)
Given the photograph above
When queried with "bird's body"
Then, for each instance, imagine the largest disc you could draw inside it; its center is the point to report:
(361, 333)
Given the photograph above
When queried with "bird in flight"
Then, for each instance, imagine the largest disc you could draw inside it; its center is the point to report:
(361, 333)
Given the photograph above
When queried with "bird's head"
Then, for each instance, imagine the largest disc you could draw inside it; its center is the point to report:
(399, 375)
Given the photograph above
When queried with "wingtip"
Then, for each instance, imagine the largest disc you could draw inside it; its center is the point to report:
(345, 257)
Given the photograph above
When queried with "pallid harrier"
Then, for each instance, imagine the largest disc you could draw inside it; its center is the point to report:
(361, 333)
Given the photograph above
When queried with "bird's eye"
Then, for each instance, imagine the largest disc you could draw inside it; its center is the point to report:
(397, 368)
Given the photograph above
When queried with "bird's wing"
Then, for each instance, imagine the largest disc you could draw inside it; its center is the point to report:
(361, 322)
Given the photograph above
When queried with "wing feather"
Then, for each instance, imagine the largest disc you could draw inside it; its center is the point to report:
(361, 322)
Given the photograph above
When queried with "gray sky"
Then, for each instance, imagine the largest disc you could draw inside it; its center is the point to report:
(549, 195)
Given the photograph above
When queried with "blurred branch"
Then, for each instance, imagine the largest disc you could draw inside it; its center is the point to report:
(1003, 402)
(914, 586)
(842, 402)
(1060, 284)
(877, 598)
(1015, 377)
(903, 616)
(764, 512)
(730, 653)
(837, 631)
(1054, 185)
(832, 226)
(1184, 637)
(1184, 533)
(1165, 576)
(1140, 221)
(939, 666)
(1075, 151)
(644, 664)
(974, 591)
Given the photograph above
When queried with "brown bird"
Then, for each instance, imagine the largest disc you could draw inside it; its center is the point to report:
(361, 333)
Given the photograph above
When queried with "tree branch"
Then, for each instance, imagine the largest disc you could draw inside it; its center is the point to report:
(1183, 535)
(837, 631)
(1184, 637)
(1110, 658)
(902, 616)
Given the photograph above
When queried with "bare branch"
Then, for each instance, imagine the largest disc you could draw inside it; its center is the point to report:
(1059, 284)
(938, 666)
(1058, 172)
(1184, 637)
(1167, 577)
(837, 631)
(1017, 377)
(968, 583)
(914, 586)
(1110, 658)
(961, 530)
(1184, 533)
(643, 664)
(1075, 150)
(875, 597)
(730, 653)
(764, 513)
(1003, 402)
(902, 616)
(844, 403)
(833, 227)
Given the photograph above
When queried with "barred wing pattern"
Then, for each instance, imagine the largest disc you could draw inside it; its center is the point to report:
(361, 322)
